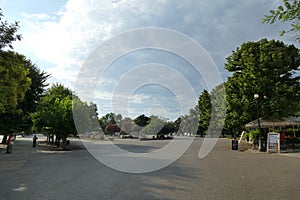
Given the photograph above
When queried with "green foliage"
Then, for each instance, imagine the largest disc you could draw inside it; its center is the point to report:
(266, 68)
(37, 88)
(154, 127)
(55, 112)
(85, 116)
(127, 125)
(189, 122)
(142, 120)
(14, 80)
(177, 123)
(218, 107)
(21, 83)
(169, 127)
(204, 106)
(8, 33)
(288, 12)
(252, 134)
(32, 96)
(109, 118)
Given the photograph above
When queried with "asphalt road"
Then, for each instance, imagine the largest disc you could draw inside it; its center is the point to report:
(223, 174)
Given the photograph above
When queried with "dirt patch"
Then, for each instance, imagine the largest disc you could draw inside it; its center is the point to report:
(44, 146)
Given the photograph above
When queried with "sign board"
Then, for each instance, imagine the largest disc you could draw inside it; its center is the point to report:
(273, 143)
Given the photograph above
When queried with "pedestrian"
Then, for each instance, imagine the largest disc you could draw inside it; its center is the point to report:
(9, 144)
(34, 139)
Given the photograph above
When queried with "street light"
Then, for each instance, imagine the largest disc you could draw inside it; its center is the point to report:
(256, 96)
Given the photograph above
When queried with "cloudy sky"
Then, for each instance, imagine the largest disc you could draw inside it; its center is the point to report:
(61, 35)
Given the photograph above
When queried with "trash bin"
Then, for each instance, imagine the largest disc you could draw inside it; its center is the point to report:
(234, 145)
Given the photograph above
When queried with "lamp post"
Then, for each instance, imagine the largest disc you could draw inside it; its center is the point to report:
(256, 96)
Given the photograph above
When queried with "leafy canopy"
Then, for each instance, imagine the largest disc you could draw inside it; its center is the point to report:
(288, 12)
(55, 112)
(8, 33)
(267, 68)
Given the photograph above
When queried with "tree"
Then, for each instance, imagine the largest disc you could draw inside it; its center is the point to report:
(177, 123)
(32, 96)
(142, 120)
(218, 109)
(111, 129)
(189, 123)
(237, 108)
(127, 126)
(154, 127)
(8, 33)
(85, 116)
(168, 128)
(93, 116)
(21, 83)
(118, 118)
(37, 87)
(55, 113)
(288, 12)
(14, 80)
(268, 69)
(109, 118)
(204, 107)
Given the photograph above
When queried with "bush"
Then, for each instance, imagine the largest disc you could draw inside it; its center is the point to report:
(253, 134)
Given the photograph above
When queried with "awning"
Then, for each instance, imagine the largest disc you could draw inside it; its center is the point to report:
(267, 123)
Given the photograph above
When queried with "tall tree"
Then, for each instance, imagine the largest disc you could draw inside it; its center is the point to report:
(289, 12)
(21, 82)
(85, 117)
(14, 79)
(189, 123)
(219, 108)
(37, 87)
(32, 96)
(268, 69)
(177, 123)
(204, 107)
(55, 112)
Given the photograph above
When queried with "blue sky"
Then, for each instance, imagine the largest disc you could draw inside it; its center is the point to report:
(59, 36)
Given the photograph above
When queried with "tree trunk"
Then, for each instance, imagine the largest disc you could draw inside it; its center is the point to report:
(52, 138)
(64, 143)
(57, 141)
(232, 133)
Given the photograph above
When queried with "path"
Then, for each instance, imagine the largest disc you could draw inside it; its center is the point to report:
(223, 174)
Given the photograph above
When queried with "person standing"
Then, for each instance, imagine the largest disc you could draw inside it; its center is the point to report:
(34, 139)
(9, 143)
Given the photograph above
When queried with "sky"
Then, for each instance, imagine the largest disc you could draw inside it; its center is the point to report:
(65, 38)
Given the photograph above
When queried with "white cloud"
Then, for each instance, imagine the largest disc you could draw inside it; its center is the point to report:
(65, 39)
(138, 98)
(38, 16)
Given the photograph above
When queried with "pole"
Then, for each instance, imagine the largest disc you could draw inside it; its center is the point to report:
(258, 122)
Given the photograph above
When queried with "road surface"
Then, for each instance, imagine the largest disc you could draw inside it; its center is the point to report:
(224, 174)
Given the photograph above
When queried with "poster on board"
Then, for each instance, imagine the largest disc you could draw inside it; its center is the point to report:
(273, 143)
